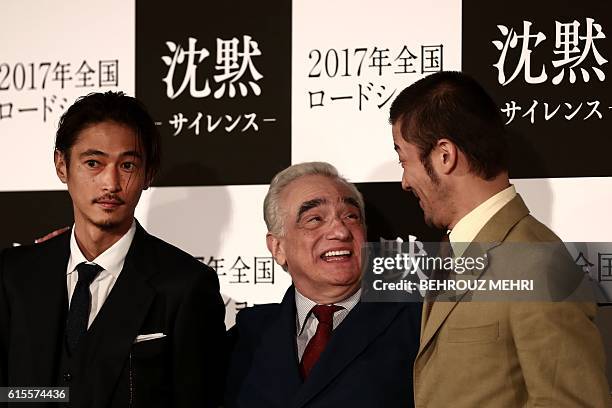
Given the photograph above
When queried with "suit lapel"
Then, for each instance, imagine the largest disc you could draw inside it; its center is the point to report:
(424, 315)
(276, 353)
(439, 313)
(47, 305)
(347, 342)
(498, 227)
(117, 324)
(490, 236)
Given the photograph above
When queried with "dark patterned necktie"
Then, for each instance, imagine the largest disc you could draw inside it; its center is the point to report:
(316, 345)
(80, 305)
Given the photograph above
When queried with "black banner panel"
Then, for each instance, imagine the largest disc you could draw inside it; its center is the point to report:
(29, 215)
(546, 66)
(392, 214)
(218, 83)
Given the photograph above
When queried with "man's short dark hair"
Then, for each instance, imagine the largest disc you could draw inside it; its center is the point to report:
(116, 107)
(454, 106)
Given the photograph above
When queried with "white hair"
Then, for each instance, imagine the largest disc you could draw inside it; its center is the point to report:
(272, 210)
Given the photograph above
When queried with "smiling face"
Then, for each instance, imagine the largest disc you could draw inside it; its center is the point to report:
(323, 233)
(425, 185)
(105, 176)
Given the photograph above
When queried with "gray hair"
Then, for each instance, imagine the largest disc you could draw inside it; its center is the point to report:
(272, 210)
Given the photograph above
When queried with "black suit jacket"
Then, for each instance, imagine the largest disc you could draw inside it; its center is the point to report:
(161, 289)
(367, 363)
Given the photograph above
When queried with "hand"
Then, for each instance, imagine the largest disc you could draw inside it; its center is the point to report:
(51, 235)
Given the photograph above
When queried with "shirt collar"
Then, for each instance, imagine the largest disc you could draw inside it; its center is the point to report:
(304, 305)
(468, 227)
(110, 260)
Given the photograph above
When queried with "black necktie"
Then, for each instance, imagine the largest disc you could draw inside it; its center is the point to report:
(78, 315)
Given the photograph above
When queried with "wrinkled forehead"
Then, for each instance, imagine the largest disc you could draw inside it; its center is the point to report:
(316, 191)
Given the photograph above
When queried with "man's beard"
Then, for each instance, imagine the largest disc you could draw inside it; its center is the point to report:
(107, 225)
(429, 221)
(443, 200)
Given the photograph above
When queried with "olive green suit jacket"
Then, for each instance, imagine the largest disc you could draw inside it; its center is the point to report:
(510, 354)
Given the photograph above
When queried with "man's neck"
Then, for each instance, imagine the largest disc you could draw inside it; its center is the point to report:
(474, 192)
(93, 241)
(328, 296)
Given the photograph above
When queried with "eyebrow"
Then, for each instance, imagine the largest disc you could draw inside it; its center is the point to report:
(351, 201)
(316, 202)
(309, 205)
(94, 152)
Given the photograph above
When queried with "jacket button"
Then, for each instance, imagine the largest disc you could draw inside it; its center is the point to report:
(67, 377)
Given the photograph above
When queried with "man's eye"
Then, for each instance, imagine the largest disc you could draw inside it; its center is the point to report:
(128, 166)
(92, 163)
(314, 219)
(353, 216)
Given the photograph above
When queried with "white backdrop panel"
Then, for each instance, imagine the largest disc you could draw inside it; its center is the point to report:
(351, 131)
(577, 209)
(223, 223)
(39, 39)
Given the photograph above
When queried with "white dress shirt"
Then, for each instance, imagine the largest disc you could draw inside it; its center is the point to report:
(306, 322)
(111, 261)
(470, 225)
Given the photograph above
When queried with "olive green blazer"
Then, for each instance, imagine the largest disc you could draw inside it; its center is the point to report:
(510, 354)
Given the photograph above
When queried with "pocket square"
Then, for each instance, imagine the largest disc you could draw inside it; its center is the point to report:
(146, 337)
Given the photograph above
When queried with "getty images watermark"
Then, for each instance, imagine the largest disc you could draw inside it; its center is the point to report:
(395, 271)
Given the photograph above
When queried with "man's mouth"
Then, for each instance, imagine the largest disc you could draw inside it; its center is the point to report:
(337, 255)
(109, 203)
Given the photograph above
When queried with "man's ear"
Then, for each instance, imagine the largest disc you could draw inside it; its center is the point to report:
(61, 167)
(276, 249)
(445, 156)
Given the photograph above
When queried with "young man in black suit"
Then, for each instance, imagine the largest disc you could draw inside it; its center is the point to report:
(120, 317)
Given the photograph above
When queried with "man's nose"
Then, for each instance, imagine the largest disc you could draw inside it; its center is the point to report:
(338, 230)
(405, 184)
(111, 179)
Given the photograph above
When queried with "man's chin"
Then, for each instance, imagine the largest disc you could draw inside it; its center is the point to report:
(108, 224)
(350, 283)
(344, 275)
(111, 220)
(431, 222)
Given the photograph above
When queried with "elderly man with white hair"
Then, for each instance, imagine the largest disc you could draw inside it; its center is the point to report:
(321, 346)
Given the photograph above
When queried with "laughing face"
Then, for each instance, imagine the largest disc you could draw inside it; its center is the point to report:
(323, 233)
(425, 185)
